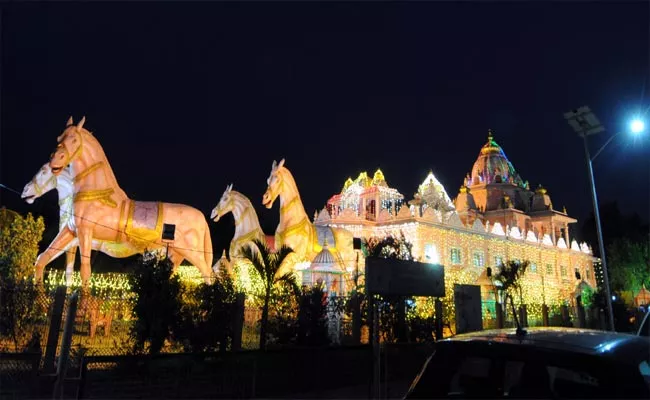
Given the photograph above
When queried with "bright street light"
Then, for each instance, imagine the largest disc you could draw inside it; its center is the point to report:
(637, 126)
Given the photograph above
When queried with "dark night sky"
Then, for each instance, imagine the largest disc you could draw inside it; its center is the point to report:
(186, 98)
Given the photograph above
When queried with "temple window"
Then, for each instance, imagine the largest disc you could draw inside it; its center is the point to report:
(549, 269)
(455, 256)
(498, 260)
(563, 272)
(478, 259)
(533, 268)
(431, 254)
(587, 273)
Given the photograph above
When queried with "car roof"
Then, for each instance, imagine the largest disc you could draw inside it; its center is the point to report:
(586, 341)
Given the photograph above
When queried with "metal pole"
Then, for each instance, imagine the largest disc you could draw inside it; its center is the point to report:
(68, 329)
(603, 260)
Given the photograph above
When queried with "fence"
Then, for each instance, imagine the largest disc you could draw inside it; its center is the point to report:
(101, 343)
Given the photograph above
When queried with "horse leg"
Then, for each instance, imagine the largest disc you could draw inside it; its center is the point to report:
(176, 259)
(197, 259)
(69, 264)
(58, 246)
(85, 247)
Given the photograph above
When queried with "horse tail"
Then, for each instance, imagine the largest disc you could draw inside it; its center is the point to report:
(207, 246)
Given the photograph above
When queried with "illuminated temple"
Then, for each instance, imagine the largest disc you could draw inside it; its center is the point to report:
(494, 217)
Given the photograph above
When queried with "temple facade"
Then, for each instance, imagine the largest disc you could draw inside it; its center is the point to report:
(495, 217)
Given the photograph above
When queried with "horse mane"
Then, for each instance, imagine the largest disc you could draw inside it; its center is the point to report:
(247, 203)
(288, 178)
(108, 170)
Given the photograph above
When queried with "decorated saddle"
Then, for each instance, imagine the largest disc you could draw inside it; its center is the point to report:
(144, 223)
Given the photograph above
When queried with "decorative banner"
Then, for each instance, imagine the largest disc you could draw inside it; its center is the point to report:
(467, 299)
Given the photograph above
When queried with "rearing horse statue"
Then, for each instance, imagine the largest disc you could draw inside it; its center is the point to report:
(104, 212)
(295, 230)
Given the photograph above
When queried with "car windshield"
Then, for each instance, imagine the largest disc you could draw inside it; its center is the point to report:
(455, 373)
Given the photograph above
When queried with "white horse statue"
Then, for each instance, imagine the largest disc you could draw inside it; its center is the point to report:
(295, 230)
(105, 213)
(43, 182)
(247, 225)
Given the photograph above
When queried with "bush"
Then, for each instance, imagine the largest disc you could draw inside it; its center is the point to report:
(312, 317)
(207, 314)
(157, 308)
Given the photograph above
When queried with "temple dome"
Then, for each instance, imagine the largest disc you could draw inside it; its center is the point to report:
(492, 166)
(541, 200)
(325, 260)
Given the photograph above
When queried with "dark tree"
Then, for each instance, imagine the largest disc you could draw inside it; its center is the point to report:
(157, 307)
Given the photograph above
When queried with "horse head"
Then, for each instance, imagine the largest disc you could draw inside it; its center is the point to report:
(225, 205)
(69, 147)
(41, 183)
(274, 184)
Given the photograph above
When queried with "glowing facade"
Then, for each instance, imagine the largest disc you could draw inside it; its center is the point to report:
(494, 218)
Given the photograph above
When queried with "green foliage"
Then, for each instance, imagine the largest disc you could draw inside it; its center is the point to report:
(629, 265)
(18, 311)
(312, 317)
(508, 281)
(422, 328)
(19, 238)
(157, 308)
(267, 265)
(389, 246)
(207, 313)
(588, 296)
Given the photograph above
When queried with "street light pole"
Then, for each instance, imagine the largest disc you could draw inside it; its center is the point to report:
(610, 310)
(585, 123)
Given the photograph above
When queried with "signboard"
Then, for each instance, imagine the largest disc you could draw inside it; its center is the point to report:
(467, 299)
(386, 276)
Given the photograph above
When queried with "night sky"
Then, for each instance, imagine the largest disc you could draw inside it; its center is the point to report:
(187, 98)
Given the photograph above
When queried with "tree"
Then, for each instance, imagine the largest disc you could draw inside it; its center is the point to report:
(629, 264)
(207, 315)
(392, 311)
(267, 265)
(312, 317)
(19, 238)
(157, 307)
(508, 280)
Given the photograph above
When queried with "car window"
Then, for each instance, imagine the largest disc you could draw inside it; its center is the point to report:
(472, 374)
(644, 369)
(572, 383)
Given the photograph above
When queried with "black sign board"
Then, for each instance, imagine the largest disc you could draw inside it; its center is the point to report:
(386, 276)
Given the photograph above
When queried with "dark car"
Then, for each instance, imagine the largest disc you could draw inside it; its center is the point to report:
(540, 363)
(644, 329)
